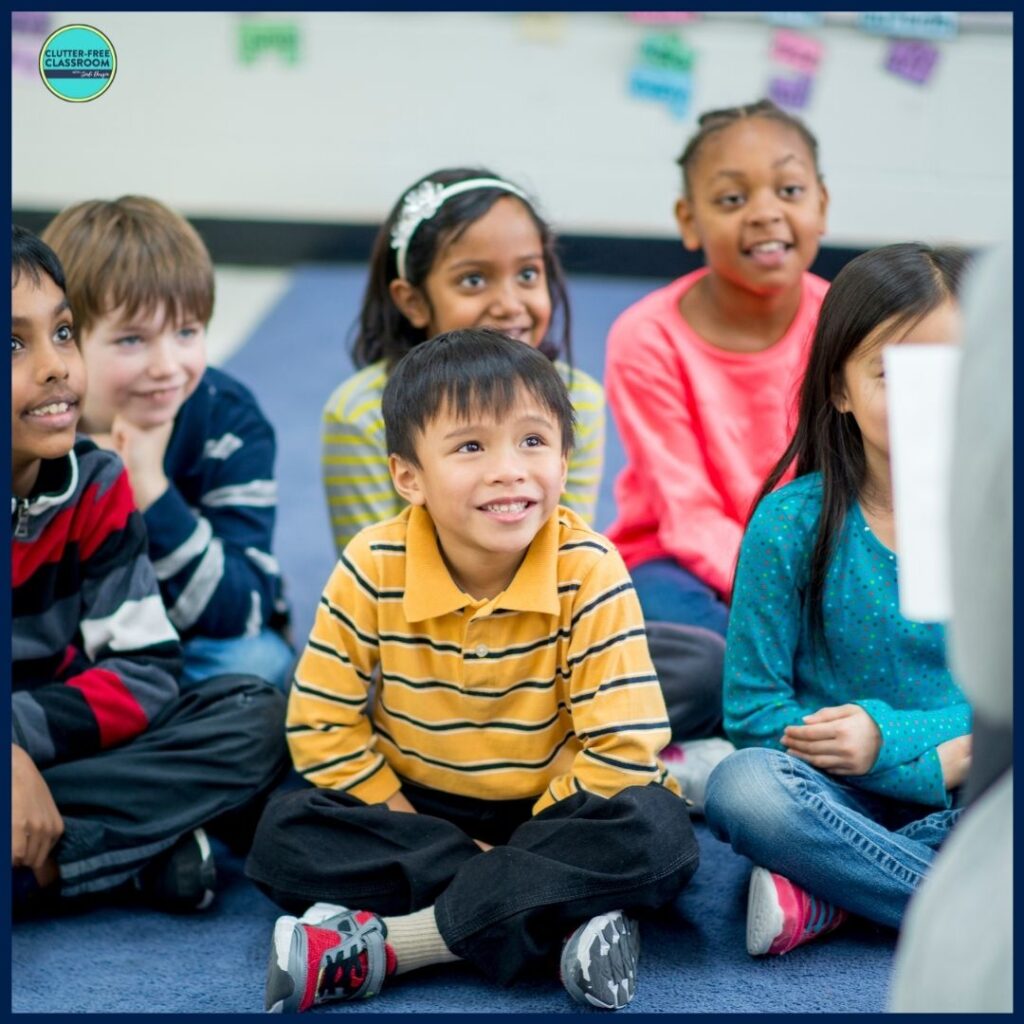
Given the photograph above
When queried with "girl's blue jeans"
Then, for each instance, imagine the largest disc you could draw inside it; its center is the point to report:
(670, 593)
(856, 850)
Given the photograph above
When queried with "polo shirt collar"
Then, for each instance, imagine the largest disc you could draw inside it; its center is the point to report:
(430, 591)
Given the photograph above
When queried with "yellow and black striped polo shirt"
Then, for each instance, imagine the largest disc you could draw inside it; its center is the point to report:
(543, 690)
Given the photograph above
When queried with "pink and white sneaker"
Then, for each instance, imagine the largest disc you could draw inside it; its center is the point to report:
(782, 916)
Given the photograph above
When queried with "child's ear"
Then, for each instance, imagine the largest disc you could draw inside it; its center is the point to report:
(824, 208)
(411, 302)
(406, 478)
(687, 225)
(840, 397)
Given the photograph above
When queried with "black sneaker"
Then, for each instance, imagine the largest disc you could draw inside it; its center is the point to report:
(181, 880)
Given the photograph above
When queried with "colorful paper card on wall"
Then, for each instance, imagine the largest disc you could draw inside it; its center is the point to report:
(258, 38)
(910, 24)
(666, 50)
(797, 51)
(29, 30)
(792, 93)
(673, 88)
(912, 59)
(663, 17)
(794, 19)
(543, 26)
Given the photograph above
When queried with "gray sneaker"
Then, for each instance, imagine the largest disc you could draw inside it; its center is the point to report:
(598, 966)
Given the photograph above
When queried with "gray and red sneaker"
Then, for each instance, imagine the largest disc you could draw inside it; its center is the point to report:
(330, 953)
(782, 916)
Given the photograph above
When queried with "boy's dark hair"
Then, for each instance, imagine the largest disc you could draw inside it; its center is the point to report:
(715, 120)
(469, 371)
(31, 255)
(896, 285)
(133, 252)
(382, 331)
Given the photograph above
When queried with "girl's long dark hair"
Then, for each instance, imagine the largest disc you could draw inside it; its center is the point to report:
(383, 332)
(894, 286)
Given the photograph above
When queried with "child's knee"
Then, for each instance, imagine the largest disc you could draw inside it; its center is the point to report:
(745, 788)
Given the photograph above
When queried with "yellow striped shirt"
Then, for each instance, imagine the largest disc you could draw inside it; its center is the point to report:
(354, 455)
(542, 691)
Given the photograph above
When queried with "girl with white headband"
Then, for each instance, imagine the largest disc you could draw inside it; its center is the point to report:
(461, 248)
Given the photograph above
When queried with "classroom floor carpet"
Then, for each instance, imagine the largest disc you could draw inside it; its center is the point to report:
(693, 959)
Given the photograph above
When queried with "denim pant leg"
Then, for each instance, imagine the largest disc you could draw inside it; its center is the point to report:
(669, 593)
(822, 834)
(266, 655)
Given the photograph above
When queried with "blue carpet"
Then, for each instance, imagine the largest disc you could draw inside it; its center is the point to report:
(692, 961)
(693, 958)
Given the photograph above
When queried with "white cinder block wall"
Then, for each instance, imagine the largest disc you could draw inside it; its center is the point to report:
(378, 99)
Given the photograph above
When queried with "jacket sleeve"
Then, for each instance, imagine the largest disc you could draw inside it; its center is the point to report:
(617, 708)
(330, 735)
(759, 698)
(124, 664)
(918, 781)
(650, 401)
(356, 479)
(217, 574)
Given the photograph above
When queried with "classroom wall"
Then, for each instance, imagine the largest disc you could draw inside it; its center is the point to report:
(374, 100)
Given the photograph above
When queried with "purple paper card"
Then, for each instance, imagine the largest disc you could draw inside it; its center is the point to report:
(663, 17)
(792, 93)
(912, 60)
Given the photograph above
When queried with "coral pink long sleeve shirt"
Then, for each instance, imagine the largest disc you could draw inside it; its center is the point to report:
(702, 428)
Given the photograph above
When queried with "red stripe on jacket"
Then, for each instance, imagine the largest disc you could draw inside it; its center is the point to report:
(87, 523)
(117, 712)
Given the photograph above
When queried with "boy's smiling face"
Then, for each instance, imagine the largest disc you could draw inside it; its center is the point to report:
(489, 485)
(142, 367)
(47, 377)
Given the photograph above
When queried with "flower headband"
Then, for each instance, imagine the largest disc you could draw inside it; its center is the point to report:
(422, 202)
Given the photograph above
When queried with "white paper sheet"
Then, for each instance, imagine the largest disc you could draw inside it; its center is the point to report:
(920, 384)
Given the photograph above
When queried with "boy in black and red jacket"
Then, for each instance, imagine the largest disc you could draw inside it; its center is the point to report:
(112, 773)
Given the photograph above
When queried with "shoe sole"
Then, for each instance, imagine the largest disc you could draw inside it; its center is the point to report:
(207, 869)
(617, 941)
(764, 914)
(282, 995)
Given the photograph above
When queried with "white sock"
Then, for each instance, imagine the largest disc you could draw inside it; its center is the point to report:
(416, 941)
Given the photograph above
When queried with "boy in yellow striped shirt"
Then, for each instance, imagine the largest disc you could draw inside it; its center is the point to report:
(477, 712)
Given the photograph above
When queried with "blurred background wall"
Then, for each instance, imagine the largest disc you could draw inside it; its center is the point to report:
(319, 120)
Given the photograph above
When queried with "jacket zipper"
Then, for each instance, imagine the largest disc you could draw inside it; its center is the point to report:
(21, 523)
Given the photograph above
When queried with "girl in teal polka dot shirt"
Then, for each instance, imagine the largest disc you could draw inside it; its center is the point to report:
(854, 736)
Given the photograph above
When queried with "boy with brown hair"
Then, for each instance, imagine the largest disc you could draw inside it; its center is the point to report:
(504, 790)
(198, 450)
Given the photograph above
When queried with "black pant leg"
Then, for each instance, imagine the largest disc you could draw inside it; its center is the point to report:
(319, 844)
(509, 910)
(209, 752)
(689, 661)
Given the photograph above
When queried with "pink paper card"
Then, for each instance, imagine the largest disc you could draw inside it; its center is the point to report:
(663, 17)
(800, 52)
(912, 60)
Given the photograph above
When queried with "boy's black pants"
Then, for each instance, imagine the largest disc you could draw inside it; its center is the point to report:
(208, 754)
(507, 910)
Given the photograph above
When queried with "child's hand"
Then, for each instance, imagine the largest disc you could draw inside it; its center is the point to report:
(400, 802)
(955, 759)
(842, 740)
(36, 824)
(142, 450)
